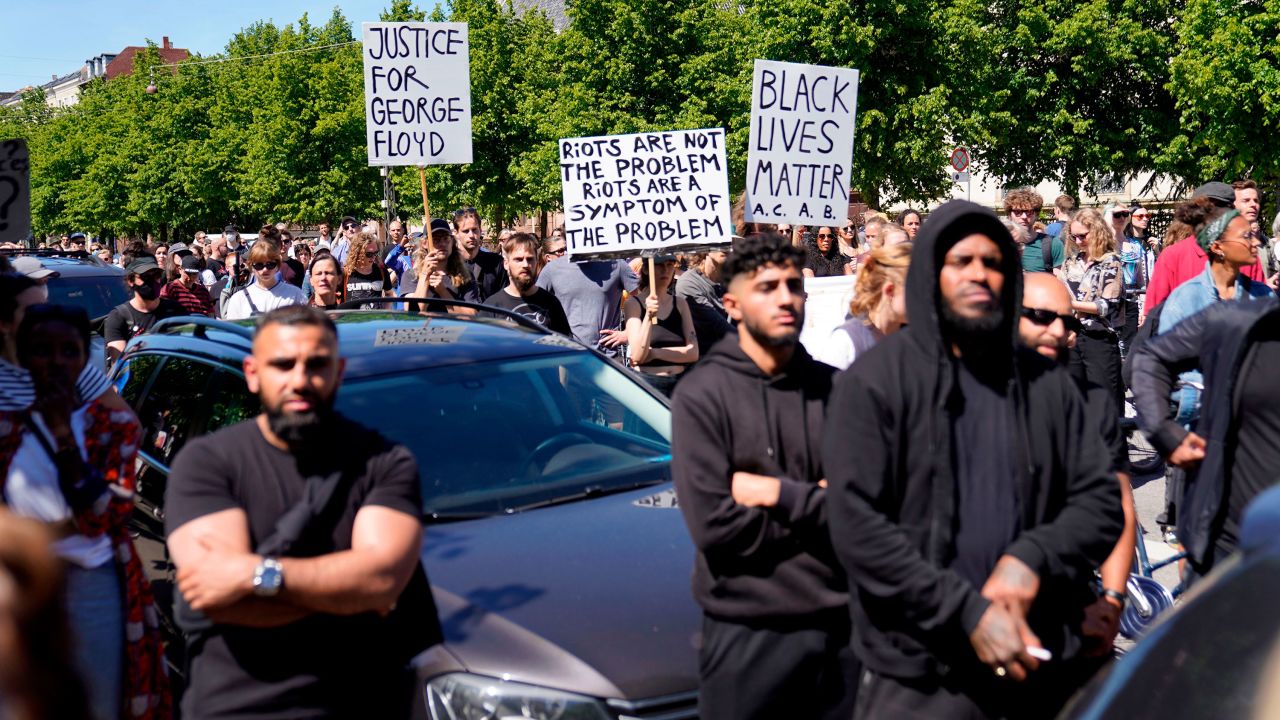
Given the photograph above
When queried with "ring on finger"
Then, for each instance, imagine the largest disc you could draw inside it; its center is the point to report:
(1001, 671)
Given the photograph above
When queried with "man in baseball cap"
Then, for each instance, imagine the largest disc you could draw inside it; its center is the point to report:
(34, 269)
(132, 318)
(187, 291)
(1220, 193)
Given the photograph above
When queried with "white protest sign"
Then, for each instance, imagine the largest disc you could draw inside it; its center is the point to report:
(15, 191)
(628, 193)
(417, 93)
(801, 146)
(826, 305)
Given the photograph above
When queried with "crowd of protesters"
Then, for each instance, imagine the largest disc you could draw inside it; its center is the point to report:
(929, 514)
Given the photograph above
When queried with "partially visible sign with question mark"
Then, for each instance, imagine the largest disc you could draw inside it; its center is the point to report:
(15, 191)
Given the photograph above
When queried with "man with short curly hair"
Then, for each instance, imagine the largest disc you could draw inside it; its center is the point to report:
(1023, 207)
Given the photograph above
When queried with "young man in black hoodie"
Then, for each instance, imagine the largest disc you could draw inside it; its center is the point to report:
(969, 501)
(746, 440)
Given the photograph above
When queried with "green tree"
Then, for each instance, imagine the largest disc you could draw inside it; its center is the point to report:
(1225, 80)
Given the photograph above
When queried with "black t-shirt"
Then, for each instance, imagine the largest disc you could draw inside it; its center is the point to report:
(541, 307)
(986, 475)
(323, 665)
(126, 322)
(368, 285)
(1255, 453)
(217, 267)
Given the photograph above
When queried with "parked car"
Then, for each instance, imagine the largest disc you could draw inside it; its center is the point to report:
(1217, 655)
(558, 560)
(83, 281)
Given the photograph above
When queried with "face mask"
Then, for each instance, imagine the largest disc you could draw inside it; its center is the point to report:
(147, 292)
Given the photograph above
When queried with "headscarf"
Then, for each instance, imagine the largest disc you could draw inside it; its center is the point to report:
(1214, 229)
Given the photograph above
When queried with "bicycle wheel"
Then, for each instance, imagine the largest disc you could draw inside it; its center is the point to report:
(1143, 458)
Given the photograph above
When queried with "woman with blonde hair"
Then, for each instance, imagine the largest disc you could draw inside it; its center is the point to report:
(879, 306)
(1099, 303)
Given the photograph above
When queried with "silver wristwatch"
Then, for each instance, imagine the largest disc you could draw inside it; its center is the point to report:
(268, 577)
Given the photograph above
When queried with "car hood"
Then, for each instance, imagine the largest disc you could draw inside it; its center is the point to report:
(591, 596)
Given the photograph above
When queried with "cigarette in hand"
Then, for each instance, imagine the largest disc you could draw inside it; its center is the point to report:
(1039, 653)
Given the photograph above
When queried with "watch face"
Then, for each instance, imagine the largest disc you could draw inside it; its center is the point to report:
(267, 579)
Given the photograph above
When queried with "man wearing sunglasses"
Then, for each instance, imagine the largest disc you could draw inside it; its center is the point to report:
(268, 292)
(1040, 253)
(1048, 326)
(349, 228)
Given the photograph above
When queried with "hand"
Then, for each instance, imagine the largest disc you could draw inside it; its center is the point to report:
(1101, 623)
(613, 338)
(435, 281)
(755, 490)
(651, 306)
(55, 406)
(1273, 282)
(1000, 641)
(1013, 585)
(1189, 452)
(218, 579)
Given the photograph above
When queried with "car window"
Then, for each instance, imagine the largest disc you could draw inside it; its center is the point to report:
(173, 407)
(97, 294)
(229, 400)
(497, 436)
(131, 377)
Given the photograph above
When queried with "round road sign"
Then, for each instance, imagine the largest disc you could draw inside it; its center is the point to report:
(960, 159)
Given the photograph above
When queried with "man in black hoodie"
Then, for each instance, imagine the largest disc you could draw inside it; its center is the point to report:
(969, 501)
(746, 440)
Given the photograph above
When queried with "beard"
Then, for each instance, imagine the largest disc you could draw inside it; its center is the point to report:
(524, 282)
(764, 339)
(961, 328)
(300, 430)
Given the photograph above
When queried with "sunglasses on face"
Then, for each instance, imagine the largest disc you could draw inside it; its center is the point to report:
(371, 254)
(348, 227)
(1120, 214)
(824, 235)
(1045, 318)
(268, 265)
(1079, 238)
(1140, 216)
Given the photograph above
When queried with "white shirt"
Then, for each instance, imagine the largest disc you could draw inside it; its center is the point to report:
(32, 491)
(280, 295)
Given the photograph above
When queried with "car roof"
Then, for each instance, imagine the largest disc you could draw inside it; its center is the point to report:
(73, 265)
(373, 342)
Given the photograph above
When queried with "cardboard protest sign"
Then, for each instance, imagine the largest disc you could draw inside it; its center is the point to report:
(15, 191)
(825, 307)
(417, 93)
(801, 151)
(624, 194)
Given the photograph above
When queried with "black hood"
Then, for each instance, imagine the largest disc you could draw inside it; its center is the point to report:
(729, 354)
(944, 228)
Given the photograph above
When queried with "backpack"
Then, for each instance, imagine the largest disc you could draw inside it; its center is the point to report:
(1046, 251)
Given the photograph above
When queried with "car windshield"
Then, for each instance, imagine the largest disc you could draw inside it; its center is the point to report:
(97, 294)
(506, 435)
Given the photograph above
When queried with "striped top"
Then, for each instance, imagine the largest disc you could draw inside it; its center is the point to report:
(18, 392)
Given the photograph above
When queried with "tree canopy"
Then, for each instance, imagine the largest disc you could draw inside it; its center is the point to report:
(1065, 90)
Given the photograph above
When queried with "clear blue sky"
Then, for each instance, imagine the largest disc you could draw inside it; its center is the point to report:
(55, 37)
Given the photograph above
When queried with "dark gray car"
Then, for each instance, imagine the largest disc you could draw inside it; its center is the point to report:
(559, 562)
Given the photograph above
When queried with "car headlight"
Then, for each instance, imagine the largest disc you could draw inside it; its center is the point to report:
(460, 696)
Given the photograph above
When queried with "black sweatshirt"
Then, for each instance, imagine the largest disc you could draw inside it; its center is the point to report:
(757, 564)
(893, 496)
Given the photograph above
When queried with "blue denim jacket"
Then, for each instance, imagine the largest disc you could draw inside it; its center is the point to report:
(1186, 300)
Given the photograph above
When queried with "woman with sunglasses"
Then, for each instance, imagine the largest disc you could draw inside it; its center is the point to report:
(265, 290)
(1099, 302)
(823, 255)
(366, 277)
(1133, 254)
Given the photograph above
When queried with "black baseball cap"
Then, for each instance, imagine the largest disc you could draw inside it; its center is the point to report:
(142, 265)
(440, 225)
(190, 263)
(1219, 192)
